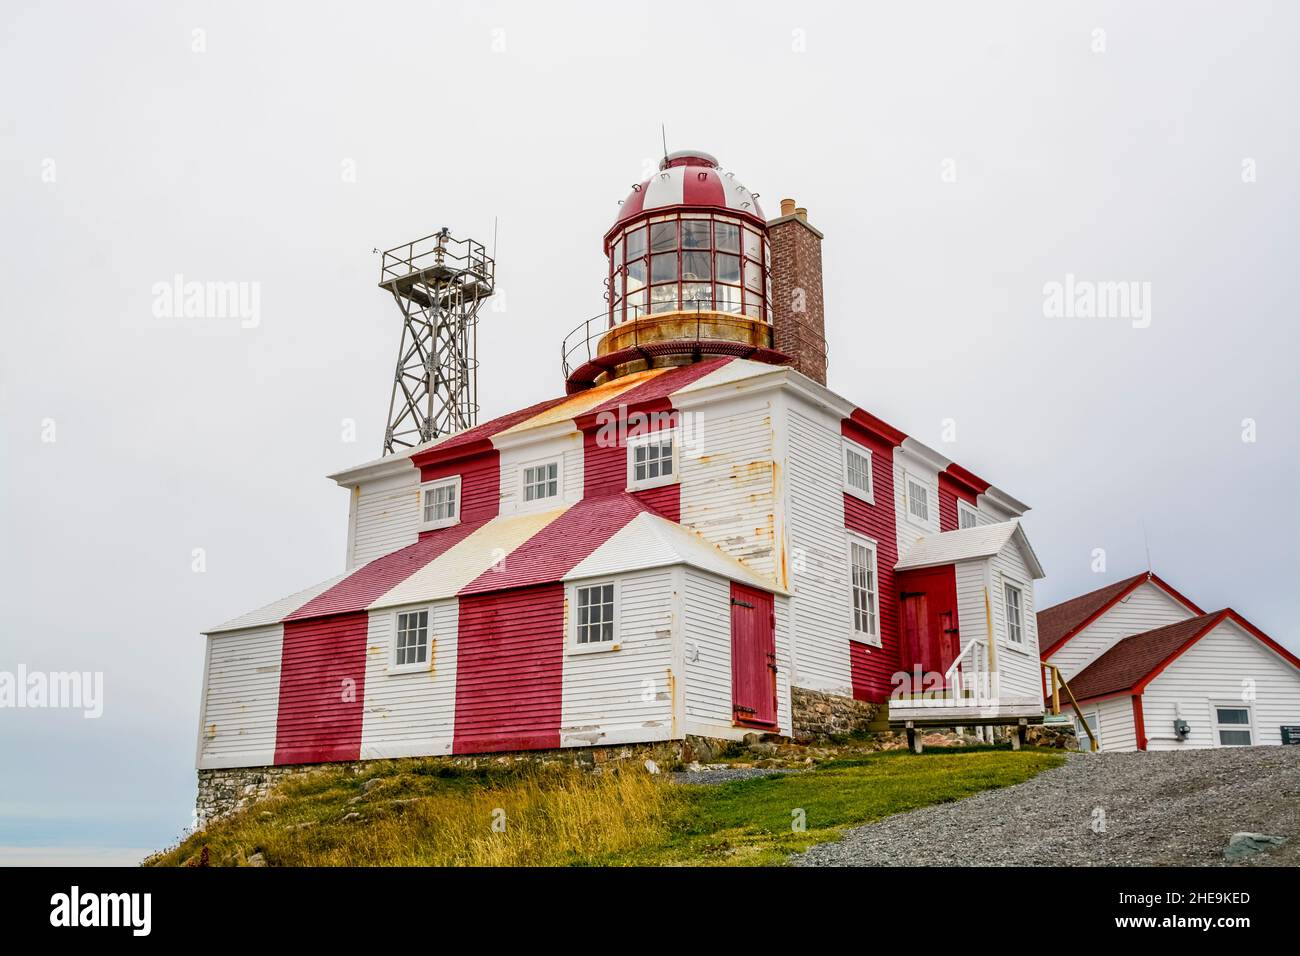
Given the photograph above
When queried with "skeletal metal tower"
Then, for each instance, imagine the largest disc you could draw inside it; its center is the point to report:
(439, 283)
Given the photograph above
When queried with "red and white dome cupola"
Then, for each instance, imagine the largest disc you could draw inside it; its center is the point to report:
(691, 238)
(690, 178)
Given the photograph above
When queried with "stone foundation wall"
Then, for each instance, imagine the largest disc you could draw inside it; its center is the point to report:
(222, 792)
(815, 714)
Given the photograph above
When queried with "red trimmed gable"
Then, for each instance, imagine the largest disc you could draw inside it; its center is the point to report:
(1060, 622)
(1132, 662)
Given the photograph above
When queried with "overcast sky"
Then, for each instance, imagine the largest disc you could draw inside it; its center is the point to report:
(958, 157)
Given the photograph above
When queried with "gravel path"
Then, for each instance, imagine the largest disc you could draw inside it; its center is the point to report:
(1160, 809)
(707, 775)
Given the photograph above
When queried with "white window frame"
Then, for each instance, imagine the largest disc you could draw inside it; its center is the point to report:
(1081, 739)
(908, 480)
(1023, 643)
(424, 665)
(615, 643)
(965, 509)
(853, 448)
(524, 501)
(651, 438)
(428, 486)
(863, 637)
(1248, 726)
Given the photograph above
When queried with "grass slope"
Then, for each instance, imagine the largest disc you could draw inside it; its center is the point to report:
(413, 812)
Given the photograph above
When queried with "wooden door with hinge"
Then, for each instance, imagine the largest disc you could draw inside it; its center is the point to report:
(753, 658)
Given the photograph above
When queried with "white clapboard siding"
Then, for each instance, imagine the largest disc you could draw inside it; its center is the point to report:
(412, 713)
(1019, 666)
(1149, 606)
(972, 613)
(566, 449)
(385, 517)
(728, 490)
(241, 698)
(625, 695)
(1221, 668)
(818, 558)
(909, 526)
(1116, 729)
(706, 649)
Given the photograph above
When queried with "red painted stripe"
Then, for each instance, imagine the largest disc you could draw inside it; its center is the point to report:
(870, 682)
(322, 690)
(666, 500)
(371, 581)
(510, 670)
(480, 483)
(559, 547)
(873, 668)
(703, 187)
(950, 492)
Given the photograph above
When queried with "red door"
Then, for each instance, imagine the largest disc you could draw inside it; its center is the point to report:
(753, 657)
(929, 611)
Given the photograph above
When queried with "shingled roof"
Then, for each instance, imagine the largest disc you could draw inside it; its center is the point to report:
(1126, 664)
(1060, 622)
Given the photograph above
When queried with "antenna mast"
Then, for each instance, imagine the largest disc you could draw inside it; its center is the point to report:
(439, 283)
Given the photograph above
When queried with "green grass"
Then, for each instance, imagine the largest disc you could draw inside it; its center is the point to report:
(752, 822)
(422, 812)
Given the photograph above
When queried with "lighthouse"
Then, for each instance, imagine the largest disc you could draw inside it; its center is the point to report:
(696, 270)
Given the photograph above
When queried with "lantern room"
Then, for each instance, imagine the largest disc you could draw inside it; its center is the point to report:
(692, 265)
(690, 238)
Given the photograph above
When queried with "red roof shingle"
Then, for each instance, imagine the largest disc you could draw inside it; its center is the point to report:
(1125, 665)
(1059, 620)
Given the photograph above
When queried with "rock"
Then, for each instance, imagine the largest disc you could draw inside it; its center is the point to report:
(750, 740)
(651, 766)
(1242, 845)
(256, 860)
(299, 826)
(371, 784)
(351, 817)
(353, 801)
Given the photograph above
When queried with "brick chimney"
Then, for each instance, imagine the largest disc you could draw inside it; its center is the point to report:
(798, 318)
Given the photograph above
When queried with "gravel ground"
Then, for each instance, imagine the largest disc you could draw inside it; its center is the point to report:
(712, 775)
(1160, 809)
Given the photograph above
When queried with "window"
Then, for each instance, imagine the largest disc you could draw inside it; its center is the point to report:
(866, 595)
(411, 639)
(1081, 735)
(1232, 726)
(857, 471)
(1015, 615)
(440, 503)
(595, 609)
(918, 499)
(651, 460)
(967, 517)
(692, 262)
(542, 481)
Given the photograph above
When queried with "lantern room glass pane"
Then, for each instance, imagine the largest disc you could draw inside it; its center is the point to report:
(618, 253)
(695, 234)
(636, 304)
(727, 235)
(753, 246)
(663, 267)
(636, 243)
(728, 268)
(695, 265)
(635, 275)
(728, 298)
(663, 236)
(697, 295)
(753, 276)
(754, 308)
(663, 298)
